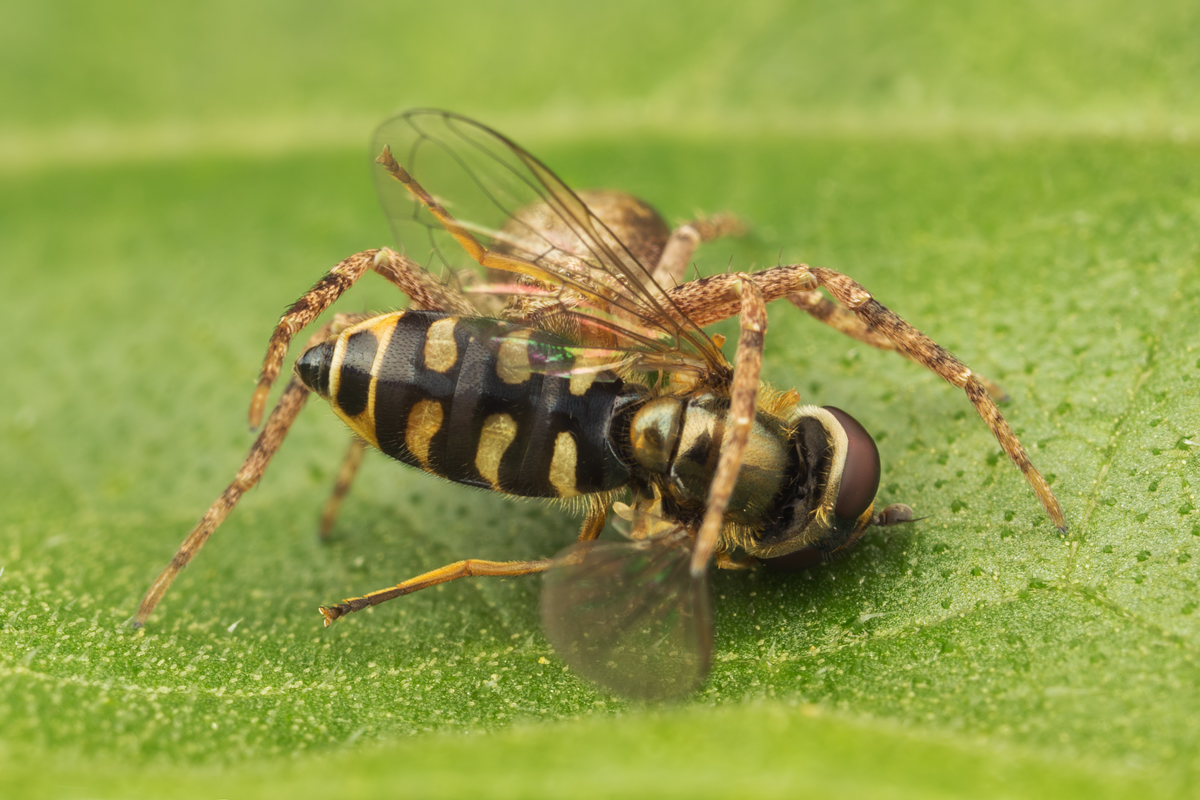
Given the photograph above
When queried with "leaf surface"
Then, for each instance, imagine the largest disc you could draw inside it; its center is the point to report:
(1019, 184)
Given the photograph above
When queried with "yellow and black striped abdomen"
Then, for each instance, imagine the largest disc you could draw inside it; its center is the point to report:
(457, 396)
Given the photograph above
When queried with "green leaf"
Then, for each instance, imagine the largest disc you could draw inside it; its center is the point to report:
(1020, 182)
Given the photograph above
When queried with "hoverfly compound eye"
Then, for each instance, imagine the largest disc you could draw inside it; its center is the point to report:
(860, 476)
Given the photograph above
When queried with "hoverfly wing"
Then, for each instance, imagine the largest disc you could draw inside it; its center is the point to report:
(513, 205)
(630, 616)
(465, 167)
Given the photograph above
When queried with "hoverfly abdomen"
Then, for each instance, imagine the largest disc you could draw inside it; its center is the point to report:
(469, 399)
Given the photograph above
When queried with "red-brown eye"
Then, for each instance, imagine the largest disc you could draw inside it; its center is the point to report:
(860, 477)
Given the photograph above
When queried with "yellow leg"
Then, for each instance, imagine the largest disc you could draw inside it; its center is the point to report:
(594, 523)
(459, 569)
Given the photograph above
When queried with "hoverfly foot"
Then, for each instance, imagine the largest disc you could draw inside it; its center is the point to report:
(331, 615)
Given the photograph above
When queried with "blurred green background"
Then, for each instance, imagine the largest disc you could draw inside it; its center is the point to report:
(1017, 179)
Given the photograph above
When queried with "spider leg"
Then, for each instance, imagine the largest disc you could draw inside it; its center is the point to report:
(354, 453)
(714, 298)
(843, 319)
(920, 348)
(686, 238)
(261, 452)
(409, 278)
(345, 478)
(747, 365)
(706, 300)
(422, 288)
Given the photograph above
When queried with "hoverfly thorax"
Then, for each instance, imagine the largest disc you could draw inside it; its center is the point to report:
(677, 442)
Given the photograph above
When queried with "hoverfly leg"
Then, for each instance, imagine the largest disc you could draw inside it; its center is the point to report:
(742, 395)
(469, 568)
(925, 351)
(593, 523)
(725, 561)
(686, 238)
(846, 321)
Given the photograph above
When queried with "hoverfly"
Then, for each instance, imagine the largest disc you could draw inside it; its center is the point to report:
(573, 364)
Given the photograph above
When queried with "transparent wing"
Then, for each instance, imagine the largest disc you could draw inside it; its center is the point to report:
(582, 280)
(629, 615)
